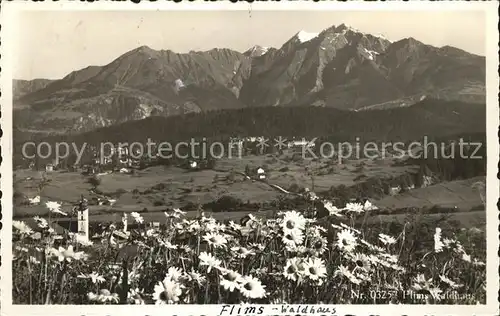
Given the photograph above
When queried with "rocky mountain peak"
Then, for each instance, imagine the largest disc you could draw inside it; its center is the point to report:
(339, 67)
(256, 51)
(303, 36)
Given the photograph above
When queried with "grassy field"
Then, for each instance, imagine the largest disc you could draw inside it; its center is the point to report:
(446, 194)
(202, 186)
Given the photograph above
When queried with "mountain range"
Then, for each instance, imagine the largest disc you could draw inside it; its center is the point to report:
(339, 67)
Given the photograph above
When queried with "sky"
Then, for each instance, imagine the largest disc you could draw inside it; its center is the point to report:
(51, 44)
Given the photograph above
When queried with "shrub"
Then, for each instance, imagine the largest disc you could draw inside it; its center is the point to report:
(94, 181)
(159, 203)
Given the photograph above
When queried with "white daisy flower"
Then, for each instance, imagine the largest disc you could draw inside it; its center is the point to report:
(220, 227)
(194, 226)
(230, 280)
(293, 221)
(65, 254)
(215, 240)
(319, 245)
(346, 240)
(293, 238)
(252, 288)
(362, 261)
(137, 217)
(41, 222)
(210, 225)
(167, 244)
(35, 200)
(234, 226)
(104, 296)
(196, 276)
(386, 239)
(207, 259)
(354, 207)
(22, 227)
(344, 271)
(174, 273)
(185, 248)
(315, 269)
(167, 292)
(242, 252)
(294, 268)
(332, 209)
(94, 276)
(55, 207)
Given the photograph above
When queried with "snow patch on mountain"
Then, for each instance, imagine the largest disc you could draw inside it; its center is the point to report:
(382, 36)
(370, 54)
(257, 51)
(343, 29)
(304, 36)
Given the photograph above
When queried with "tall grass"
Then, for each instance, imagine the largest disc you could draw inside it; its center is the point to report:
(293, 257)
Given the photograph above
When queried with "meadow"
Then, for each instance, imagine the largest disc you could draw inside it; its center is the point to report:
(151, 190)
(314, 248)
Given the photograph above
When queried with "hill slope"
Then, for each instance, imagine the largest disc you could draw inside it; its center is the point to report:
(139, 84)
(21, 88)
(432, 118)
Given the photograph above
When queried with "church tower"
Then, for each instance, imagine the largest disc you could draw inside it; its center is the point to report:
(83, 218)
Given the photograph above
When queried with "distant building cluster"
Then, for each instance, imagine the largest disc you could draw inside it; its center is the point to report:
(121, 159)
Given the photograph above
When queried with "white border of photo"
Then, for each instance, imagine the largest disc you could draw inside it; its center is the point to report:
(8, 36)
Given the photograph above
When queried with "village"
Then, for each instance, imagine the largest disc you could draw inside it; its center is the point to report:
(123, 159)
